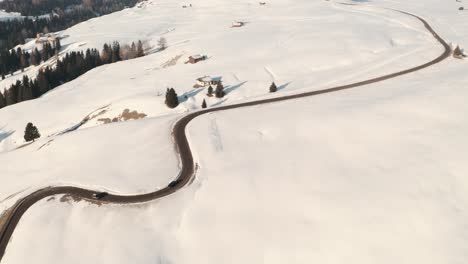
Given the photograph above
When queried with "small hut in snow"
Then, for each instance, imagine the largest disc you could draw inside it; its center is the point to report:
(196, 58)
(238, 24)
(43, 38)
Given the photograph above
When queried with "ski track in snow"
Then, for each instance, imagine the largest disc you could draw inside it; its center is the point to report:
(216, 136)
(270, 72)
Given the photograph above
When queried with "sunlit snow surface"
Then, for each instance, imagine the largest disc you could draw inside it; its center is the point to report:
(371, 175)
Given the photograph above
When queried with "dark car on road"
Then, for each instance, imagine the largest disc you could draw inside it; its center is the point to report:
(174, 183)
(100, 195)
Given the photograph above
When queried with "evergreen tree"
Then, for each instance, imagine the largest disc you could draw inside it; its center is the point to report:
(24, 61)
(31, 133)
(273, 87)
(57, 45)
(116, 52)
(162, 43)
(133, 47)
(26, 91)
(13, 93)
(45, 51)
(219, 90)
(35, 90)
(2, 100)
(43, 82)
(20, 91)
(25, 80)
(457, 52)
(12, 61)
(210, 90)
(106, 54)
(140, 52)
(172, 101)
(35, 57)
(203, 104)
(8, 95)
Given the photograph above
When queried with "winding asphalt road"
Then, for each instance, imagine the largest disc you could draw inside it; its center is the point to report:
(187, 163)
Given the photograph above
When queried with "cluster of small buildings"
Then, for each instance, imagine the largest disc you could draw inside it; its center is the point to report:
(206, 81)
(42, 38)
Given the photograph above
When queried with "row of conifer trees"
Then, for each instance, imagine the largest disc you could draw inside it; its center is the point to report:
(71, 66)
(14, 60)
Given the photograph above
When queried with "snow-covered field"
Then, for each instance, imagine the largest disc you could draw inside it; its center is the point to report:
(282, 43)
(371, 175)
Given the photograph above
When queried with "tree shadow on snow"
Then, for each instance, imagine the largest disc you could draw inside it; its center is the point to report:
(4, 135)
(219, 103)
(281, 87)
(189, 94)
(233, 87)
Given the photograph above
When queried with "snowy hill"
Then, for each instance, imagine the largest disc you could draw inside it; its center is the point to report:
(371, 175)
(294, 50)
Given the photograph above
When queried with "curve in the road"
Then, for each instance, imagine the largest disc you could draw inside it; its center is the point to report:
(187, 163)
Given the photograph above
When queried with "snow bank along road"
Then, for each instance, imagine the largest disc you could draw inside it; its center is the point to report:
(14, 214)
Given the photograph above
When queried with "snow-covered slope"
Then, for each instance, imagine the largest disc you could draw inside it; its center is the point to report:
(371, 175)
(374, 175)
(285, 42)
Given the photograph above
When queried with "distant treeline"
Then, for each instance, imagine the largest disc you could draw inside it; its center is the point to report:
(63, 14)
(68, 68)
(42, 7)
(15, 32)
(36, 7)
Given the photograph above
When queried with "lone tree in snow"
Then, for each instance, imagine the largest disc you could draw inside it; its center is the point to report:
(203, 104)
(140, 52)
(273, 87)
(162, 43)
(457, 53)
(210, 90)
(172, 101)
(31, 133)
(220, 90)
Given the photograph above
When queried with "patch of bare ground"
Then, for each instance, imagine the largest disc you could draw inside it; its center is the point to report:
(172, 61)
(125, 116)
(92, 115)
(67, 198)
(87, 118)
(4, 217)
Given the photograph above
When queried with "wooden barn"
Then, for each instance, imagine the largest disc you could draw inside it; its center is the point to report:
(196, 58)
(238, 24)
